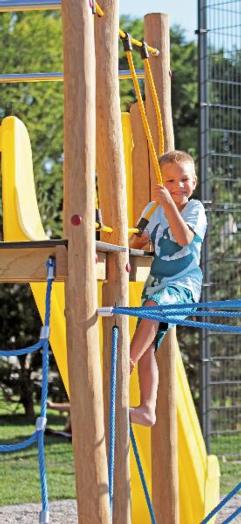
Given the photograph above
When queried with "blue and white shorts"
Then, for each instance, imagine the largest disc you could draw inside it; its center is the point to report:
(172, 294)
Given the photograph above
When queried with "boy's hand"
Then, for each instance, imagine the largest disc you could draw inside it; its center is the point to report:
(136, 242)
(161, 195)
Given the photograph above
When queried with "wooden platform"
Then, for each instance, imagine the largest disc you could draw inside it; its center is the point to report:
(22, 262)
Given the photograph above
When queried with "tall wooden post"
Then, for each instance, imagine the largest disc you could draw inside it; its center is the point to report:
(156, 27)
(140, 164)
(113, 203)
(81, 291)
(164, 433)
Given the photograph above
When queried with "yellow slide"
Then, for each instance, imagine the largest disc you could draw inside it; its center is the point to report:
(198, 473)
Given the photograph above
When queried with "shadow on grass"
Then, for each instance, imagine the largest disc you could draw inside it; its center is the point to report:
(22, 420)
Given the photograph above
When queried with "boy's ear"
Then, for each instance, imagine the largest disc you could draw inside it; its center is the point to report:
(194, 182)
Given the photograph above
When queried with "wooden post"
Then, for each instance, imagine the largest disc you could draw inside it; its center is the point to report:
(113, 203)
(81, 292)
(156, 31)
(164, 433)
(140, 164)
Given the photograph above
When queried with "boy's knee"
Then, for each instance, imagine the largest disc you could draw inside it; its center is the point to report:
(150, 303)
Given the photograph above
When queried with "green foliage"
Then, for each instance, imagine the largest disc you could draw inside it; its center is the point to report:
(184, 83)
(184, 91)
(32, 42)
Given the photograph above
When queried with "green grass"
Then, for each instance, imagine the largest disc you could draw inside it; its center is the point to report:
(19, 471)
(230, 475)
(230, 467)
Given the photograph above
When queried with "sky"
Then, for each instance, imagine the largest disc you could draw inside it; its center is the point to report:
(180, 12)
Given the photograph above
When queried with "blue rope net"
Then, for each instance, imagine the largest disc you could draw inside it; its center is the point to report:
(171, 314)
(38, 435)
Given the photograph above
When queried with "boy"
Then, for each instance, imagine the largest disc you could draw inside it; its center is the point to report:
(176, 230)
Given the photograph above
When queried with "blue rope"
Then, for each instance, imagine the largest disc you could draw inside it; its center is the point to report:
(232, 516)
(22, 351)
(148, 313)
(223, 503)
(38, 435)
(44, 390)
(115, 336)
(142, 477)
(9, 448)
(219, 304)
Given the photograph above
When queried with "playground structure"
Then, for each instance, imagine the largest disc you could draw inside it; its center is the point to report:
(186, 497)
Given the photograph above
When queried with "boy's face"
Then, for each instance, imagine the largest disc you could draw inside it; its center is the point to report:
(180, 182)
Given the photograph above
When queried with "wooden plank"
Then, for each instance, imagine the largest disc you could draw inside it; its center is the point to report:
(86, 398)
(140, 268)
(29, 265)
(113, 203)
(164, 433)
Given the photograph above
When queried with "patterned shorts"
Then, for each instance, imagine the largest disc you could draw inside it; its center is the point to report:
(172, 294)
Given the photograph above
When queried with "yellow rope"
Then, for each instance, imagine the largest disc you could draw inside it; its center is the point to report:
(152, 50)
(152, 150)
(156, 104)
(137, 43)
(107, 229)
(99, 10)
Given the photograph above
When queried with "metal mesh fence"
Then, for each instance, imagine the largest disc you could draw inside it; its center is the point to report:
(220, 164)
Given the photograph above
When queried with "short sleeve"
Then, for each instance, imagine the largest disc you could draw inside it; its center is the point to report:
(154, 218)
(195, 217)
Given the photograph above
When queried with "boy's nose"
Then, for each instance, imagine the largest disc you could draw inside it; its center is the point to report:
(181, 183)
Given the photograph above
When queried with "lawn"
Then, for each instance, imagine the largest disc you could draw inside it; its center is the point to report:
(19, 471)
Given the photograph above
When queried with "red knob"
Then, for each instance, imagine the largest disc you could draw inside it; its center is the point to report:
(128, 267)
(76, 220)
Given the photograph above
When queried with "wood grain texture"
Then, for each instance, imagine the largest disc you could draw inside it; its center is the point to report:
(81, 290)
(113, 203)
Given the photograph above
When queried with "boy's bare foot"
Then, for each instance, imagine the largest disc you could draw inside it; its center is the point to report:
(143, 415)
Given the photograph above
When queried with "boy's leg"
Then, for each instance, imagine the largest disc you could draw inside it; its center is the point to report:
(59, 406)
(145, 414)
(143, 337)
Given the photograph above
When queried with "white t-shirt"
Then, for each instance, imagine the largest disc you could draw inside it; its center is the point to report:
(175, 264)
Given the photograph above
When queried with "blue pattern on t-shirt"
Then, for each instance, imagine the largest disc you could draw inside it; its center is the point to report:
(173, 263)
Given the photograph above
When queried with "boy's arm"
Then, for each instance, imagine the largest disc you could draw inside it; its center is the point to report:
(180, 230)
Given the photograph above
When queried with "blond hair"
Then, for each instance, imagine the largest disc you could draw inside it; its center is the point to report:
(177, 157)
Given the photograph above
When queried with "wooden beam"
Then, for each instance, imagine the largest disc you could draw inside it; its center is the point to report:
(87, 417)
(22, 265)
(22, 262)
(113, 203)
(164, 433)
